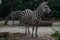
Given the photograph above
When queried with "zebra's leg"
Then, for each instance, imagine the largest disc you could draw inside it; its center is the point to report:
(13, 22)
(12, 19)
(22, 22)
(28, 29)
(19, 22)
(25, 29)
(6, 21)
(36, 31)
(32, 31)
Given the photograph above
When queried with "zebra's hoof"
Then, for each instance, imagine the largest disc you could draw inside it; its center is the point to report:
(5, 24)
(28, 32)
(18, 25)
(25, 34)
(36, 35)
(12, 25)
(31, 36)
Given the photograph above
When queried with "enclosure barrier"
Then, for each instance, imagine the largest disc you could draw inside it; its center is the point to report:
(46, 23)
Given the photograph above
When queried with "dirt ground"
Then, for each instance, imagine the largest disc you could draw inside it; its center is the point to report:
(20, 36)
(44, 33)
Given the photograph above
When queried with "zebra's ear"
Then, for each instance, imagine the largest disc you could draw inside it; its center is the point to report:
(46, 2)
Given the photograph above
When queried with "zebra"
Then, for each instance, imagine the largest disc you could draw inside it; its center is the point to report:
(13, 15)
(33, 18)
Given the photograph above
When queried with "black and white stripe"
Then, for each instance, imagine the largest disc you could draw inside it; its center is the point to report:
(27, 11)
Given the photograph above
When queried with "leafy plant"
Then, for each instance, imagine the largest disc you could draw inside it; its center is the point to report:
(56, 34)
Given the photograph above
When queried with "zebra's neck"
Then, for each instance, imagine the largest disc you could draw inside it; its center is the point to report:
(38, 13)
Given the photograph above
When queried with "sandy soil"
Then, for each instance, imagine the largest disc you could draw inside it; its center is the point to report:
(43, 32)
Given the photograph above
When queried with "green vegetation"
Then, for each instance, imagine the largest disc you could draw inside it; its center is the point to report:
(56, 34)
(55, 6)
(7, 6)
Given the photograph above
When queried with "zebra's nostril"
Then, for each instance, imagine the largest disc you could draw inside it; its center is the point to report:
(50, 11)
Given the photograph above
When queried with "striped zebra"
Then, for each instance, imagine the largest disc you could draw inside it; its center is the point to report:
(27, 11)
(33, 18)
(15, 15)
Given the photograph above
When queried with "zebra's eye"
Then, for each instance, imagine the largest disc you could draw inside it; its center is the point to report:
(45, 7)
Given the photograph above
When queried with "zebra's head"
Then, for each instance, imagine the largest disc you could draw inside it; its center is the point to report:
(45, 8)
